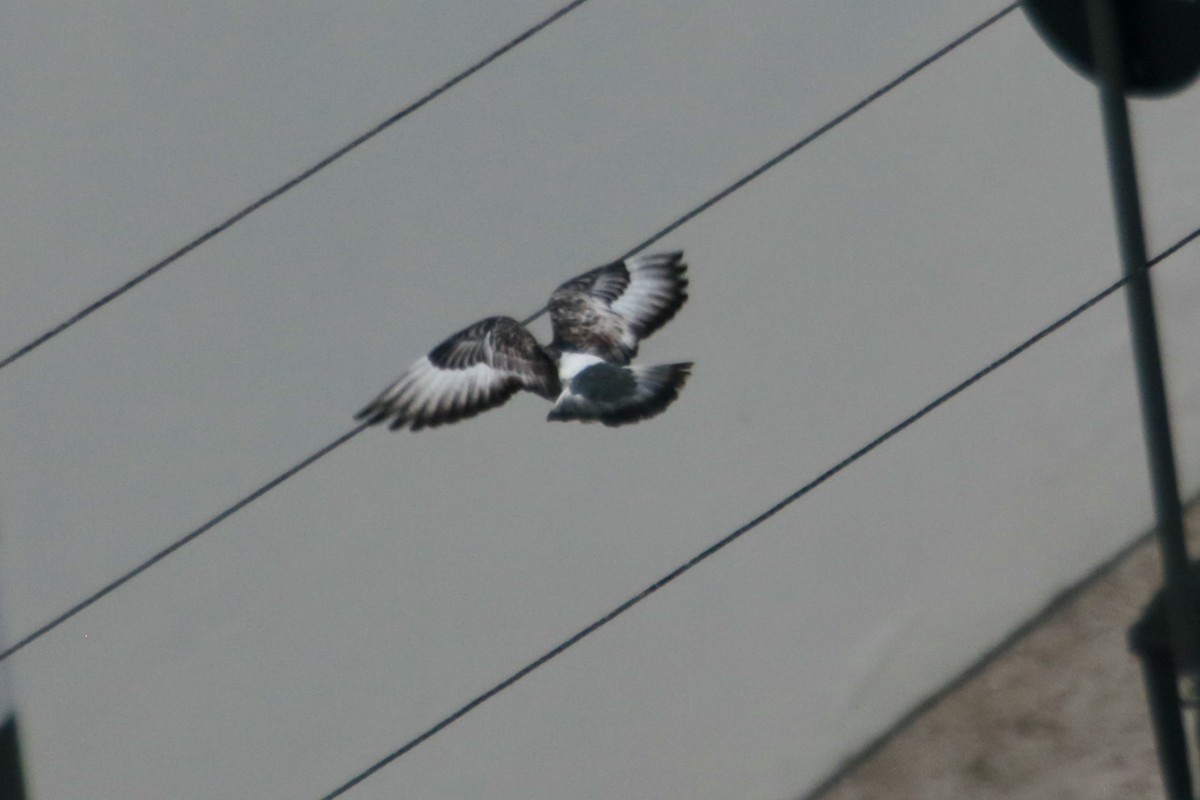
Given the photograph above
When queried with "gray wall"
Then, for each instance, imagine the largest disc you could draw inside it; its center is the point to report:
(359, 603)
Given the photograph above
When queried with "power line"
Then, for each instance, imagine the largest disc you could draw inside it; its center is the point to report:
(61, 618)
(161, 554)
(679, 571)
(776, 160)
(828, 126)
(288, 186)
(754, 523)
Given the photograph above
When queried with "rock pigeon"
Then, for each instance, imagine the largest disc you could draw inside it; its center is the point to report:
(597, 318)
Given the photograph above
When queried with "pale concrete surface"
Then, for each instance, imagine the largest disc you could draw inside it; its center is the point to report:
(1060, 714)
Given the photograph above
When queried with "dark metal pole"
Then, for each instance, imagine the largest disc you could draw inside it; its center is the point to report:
(12, 778)
(1162, 689)
(1181, 606)
(1150, 639)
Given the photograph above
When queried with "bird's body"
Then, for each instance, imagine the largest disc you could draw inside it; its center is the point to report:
(597, 318)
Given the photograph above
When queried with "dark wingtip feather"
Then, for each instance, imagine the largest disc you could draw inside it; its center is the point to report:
(373, 414)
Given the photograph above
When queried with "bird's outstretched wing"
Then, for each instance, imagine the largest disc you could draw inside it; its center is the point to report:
(607, 310)
(478, 368)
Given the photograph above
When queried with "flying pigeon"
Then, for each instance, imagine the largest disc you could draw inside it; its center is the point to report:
(598, 319)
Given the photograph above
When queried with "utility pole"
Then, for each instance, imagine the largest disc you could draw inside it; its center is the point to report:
(1151, 47)
(1183, 622)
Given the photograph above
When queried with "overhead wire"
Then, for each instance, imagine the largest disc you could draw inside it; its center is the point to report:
(287, 186)
(933, 57)
(729, 539)
(166, 551)
(345, 437)
(809, 138)
(683, 568)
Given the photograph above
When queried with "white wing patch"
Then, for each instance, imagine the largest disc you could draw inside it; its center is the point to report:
(657, 288)
(478, 368)
(428, 396)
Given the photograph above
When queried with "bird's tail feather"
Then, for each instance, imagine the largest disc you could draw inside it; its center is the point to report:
(618, 395)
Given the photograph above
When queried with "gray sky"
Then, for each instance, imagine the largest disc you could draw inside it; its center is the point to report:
(345, 612)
